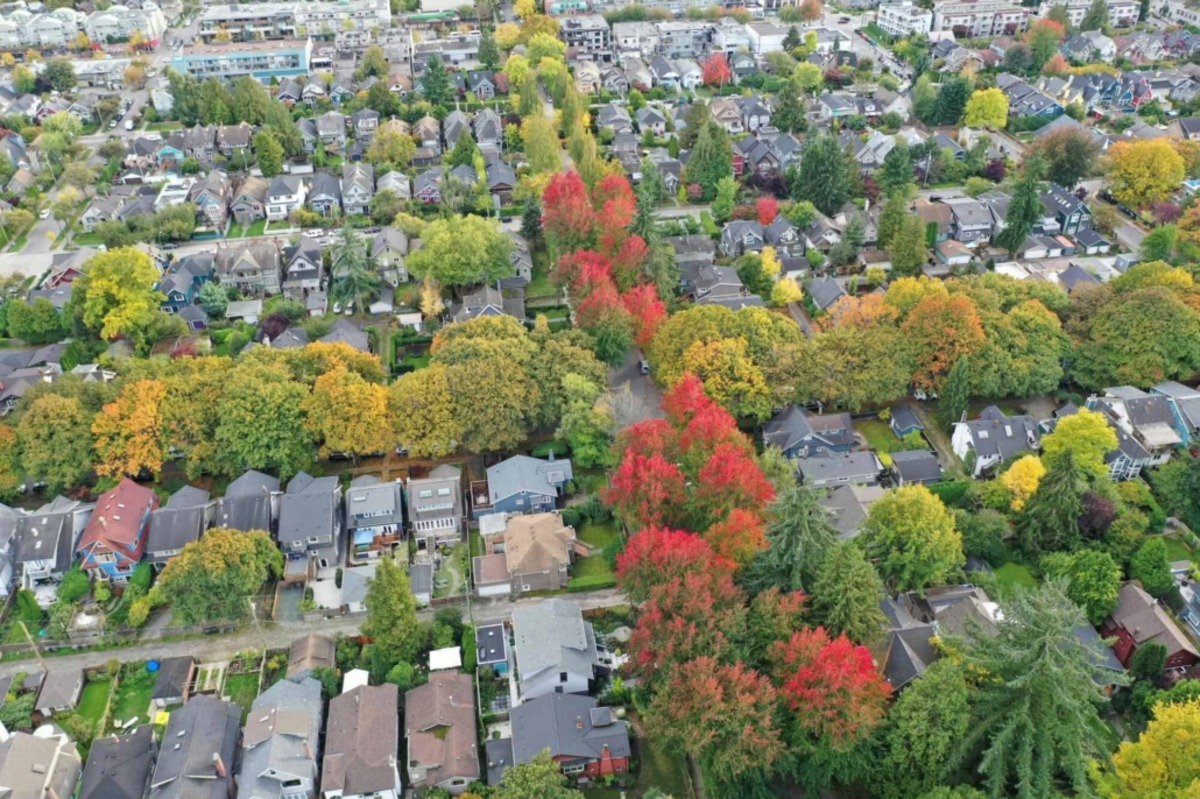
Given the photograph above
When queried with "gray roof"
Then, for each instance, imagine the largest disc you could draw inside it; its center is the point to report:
(794, 425)
(840, 466)
(994, 433)
(186, 767)
(252, 483)
(420, 578)
(46, 534)
(245, 512)
(499, 753)
(572, 727)
(825, 291)
(282, 736)
(378, 503)
(346, 332)
(904, 417)
(491, 644)
(60, 688)
(119, 768)
(552, 636)
(436, 505)
(25, 759)
(172, 677)
(917, 466)
(354, 582)
(521, 473)
(188, 497)
(847, 512)
(171, 529)
(308, 508)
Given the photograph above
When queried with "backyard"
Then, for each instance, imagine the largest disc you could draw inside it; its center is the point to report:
(132, 700)
(591, 573)
(879, 435)
(660, 769)
(1013, 575)
(598, 535)
(94, 700)
(242, 690)
(451, 578)
(1176, 549)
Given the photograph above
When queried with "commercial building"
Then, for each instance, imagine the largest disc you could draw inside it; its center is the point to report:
(588, 34)
(262, 60)
(976, 18)
(292, 20)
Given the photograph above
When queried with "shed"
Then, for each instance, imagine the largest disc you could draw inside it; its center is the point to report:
(449, 657)
(171, 686)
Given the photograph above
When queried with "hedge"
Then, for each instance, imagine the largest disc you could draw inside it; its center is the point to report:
(951, 492)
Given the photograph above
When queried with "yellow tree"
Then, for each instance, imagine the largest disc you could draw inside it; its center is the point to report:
(1164, 763)
(987, 108)
(8, 60)
(32, 55)
(525, 8)
(137, 40)
(786, 290)
(423, 412)
(1087, 436)
(348, 414)
(10, 461)
(82, 42)
(1022, 479)
(770, 262)
(507, 37)
(431, 298)
(130, 434)
(118, 293)
(1144, 171)
(730, 377)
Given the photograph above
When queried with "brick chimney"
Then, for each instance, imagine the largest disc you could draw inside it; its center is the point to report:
(219, 765)
(579, 722)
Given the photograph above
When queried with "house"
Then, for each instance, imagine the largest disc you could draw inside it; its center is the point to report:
(521, 484)
(181, 284)
(1139, 619)
(119, 767)
(1151, 418)
(952, 254)
(211, 196)
(483, 84)
(252, 268)
(234, 141)
(555, 649)
(439, 721)
(651, 119)
(249, 201)
(615, 118)
(178, 523)
(331, 130)
(904, 421)
(303, 270)
(362, 745)
(310, 522)
(994, 438)
(585, 739)
(395, 182)
(59, 692)
(420, 581)
(364, 122)
(1088, 241)
(388, 249)
(915, 466)
(824, 471)
(280, 742)
(38, 766)
(251, 502)
(501, 180)
(1069, 211)
(197, 756)
(358, 187)
(522, 260)
(114, 540)
(285, 195)
(972, 220)
(1186, 401)
(914, 621)
(741, 236)
(374, 517)
(489, 301)
(173, 681)
(488, 129)
(800, 434)
(8, 531)
(44, 542)
(435, 507)
(786, 238)
(325, 194)
(824, 291)
(308, 653)
(428, 133)
(533, 552)
(847, 507)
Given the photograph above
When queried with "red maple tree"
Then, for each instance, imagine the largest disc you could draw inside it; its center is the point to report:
(716, 71)
(738, 537)
(648, 313)
(767, 208)
(657, 555)
(581, 267)
(647, 490)
(567, 216)
(732, 479)
(627, 261)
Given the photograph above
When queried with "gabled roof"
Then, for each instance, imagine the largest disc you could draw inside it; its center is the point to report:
(571, 727)
(117, 520)
(281, 738)
(552, 636)
(794, 425)
(311, 652)
(523, 474)
(119, 767)
(186, 768)
(439, 720)
(171, 680)
(362, 740)
(1141, 617)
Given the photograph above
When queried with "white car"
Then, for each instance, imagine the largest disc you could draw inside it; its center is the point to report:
(350, 308)
(315, 233)
(45, 214)
(337, 307)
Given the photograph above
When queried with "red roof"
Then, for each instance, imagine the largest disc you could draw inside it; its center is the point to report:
(118, 517)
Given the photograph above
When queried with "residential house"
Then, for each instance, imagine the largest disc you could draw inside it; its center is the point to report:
(651, 119)
(490, 301)
(728, 114)
(38, 766)
(1186, 402)
(848, 506)
(483, 84)
(556, 650)
(972, 221)
(114, 540)
(439, 721)
(280, 742)
(173, 681)
(615, 118)
(454, 126)
(181, 284)
(249, 201)
(199, 747)
(233, 141)
(308, 653)
(994, 438)
(303, 269)
(690, 74)
(1151, 420)
(585, 739)
(8, 531)
(488, 129)
(832, 469)
(211, 196)
(358, 187)
(388, 248)
(824, 291)
(331, 130)
(428, 133)
(1138, 619)
(44, 542)
(915, 466)
(396, 182)
(178, 523)
(742, 236)
(524, 553)
(374, 517)
(59, 691)
(427, 186)
(325, 194)
(663, 73)
(501, 180)
(1070, 213)
(435, 507)
(364, 123)
(786, 238)
(799, 433)
(251, 502)
(755, 114)
(252, 268)
(119, 767)
(904, 421)
(310, 522)
(521, 484)
(20, 182)
(362, 745)
(710, 284)
(915, 620)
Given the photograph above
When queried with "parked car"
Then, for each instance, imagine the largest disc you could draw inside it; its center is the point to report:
(45, 214)
(315, 233)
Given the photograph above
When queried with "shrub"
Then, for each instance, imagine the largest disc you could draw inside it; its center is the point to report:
(468, 649)
(74, 586)
(951, 492)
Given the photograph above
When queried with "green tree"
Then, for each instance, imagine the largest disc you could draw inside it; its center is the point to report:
(464, 152)
(823, 177)
(214, 299)
(23, 79)
(1043, 41)
(846, 596)
(911, 537)
(489, 54)
(354, 278)
(261, 425)
(540, 778)
(1070, 155)
(897, 170)
(1176, 486)
(808, 77)
(711, 159)
(423, 412)
(213, 103)
(1096, 17)
(392, 613)
(1087, 436)
(217, 577)
(1149, 660)
(799, 538)
(278, 119)
(587, 422)
(895, 209)
(269, 153)
(460, 251)
(987, 108)
(529, 99)
(37, 322)
(1036, 718)
(435, 82)
(951, 100)
(1150, 566)
(1138, 338)
(1050, 520)
(906, 249)
(790, 115)
(249, 100)
(956, 393)
(541, 145)
(385, 206)
(1093, 580)
(1024, 209)
(1159, 244)
(923, 729)
(59, 75)
(374, 64)
(726, 196)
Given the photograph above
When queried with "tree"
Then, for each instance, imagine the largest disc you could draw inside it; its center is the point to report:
(390, 149)
(348, 414)
(846, 595)
(1024, 210)
(906, 248)
(435, 82)
(911, 536)
(1022, 479)
(391, 620)
(1150, 566)
(1163, 763)
(129, 432)
(789, 114)
(823, 178)
(212, 105)
(374, 63)
(54, 437)
(1035, 719)
(1139, 338)
(544, 45)
(249, 99)
(23, 79)
(786, 290)
(79, 175)
(119, 296)
(37, 322)
(489, 53)
(1087, 436)
(587, 422)
(604, 318)
(711, 159)
(1176, 484)
(217, 577)
(385, 206)
(569, 221)
(261, 426)
(423, 412)
(540, 778)
(1050, 520)
(213, 299)
(1069, 154)
(952, 99)
(897, 171)
(1096, 17)
(355, 279)
(1043, 39)
(808, 77)
(269, 153)
(1159, 244)
(59, 75)
(460, 251)
(722, 206)
(923, 729)
(278, 120)
(987, 108)
(1093, 580)
(541, 144)
(1144, 171)
(1148, 662)
(716, 70)
(799, 539)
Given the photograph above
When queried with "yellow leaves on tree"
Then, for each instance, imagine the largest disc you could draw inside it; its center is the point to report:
(786, 290)
(729, 376)
(1022, 479)
(1164, 763)
(423, 412)
(904, 293)
(10, 476)
(770, 263)
(987, 108)
(942, 330)
(130, 434)
(431, 298)
(1087, 436)
(1144, 171)
(118, 293)
(348, 414)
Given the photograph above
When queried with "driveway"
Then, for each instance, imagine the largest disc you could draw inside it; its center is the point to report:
(634, 395)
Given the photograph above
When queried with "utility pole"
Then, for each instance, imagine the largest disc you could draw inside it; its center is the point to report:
(36, 651)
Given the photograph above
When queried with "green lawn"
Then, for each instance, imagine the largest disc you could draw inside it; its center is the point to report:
(93, 700)
(133, 694)
(591, 481)
(598, 535)
(1176, 549)
(415, 362)
(540, 286)
(1011, 575)
(242, 689)
(453, 573)
(878, 435)
(591, 573)
(87, 239)
(476, 544)
(661, 769)
(256, 229)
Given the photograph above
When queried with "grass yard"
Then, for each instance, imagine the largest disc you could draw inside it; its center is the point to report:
(1012, 575)
(540, 286)
(661, 769)
(87, 239)
(879, 435)
(242, 689)
(93, 700)
(591, 573)
(476, 544)
(453, 574)
(1176, 549)
(133, 694)
(598, 535)
(591, 481)
(415, 362)
(256, 229)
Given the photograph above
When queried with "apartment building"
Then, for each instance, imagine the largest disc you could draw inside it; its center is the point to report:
(636, 37)
(290, 20)
(902, 19)
(683, 38)
(589, 35)
(23, 29)
(262, 60)
(1121, 13)
(117, 23)
(976, 18)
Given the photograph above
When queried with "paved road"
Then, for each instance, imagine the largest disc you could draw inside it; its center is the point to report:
(276, 636)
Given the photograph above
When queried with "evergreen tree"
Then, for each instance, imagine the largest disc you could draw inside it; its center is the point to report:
(436, 86)
(823, 178)
(391, 615)
(907, 250)
(891, 217)
(652, 186)
(1096, 17)
(952, 99)
(711, 160)
(846, 250)
(956, 393)
(489, 54)
(897, 170)
(464, 152)
(792, 40)
(846, 595)
(790, 115)
(1024, 209)
(799, 537)
(531, 223)
(1049, 521)
(269, 153)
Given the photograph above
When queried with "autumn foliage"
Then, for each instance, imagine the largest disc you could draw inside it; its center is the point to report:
(766, 208)
(716, 71)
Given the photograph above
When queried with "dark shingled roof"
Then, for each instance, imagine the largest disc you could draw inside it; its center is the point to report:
(119, 768)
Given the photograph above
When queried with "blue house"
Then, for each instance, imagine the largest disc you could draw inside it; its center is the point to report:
(114, 540)
(801, 434)
(181, 285)
(521, 484)
(904, 421)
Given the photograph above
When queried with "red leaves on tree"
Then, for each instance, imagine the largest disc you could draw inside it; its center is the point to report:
(685, 618)
(731, 479)
(831, 686)
(656, 555)
(647, 438)
(601, 306)
(716, 71)
(614, 206)
(567, 216)
(685, 399)
(647, 310)
(647, 490)
(738, 537)
(767, 209)
(582, 268)
(627, 261)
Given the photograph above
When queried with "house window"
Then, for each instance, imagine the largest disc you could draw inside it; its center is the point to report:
(104, 557)
(562, 676)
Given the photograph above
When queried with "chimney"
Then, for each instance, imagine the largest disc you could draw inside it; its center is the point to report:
(308, 750)
(579, 722)
(51, 793)
(219, 765)
(115, 739)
